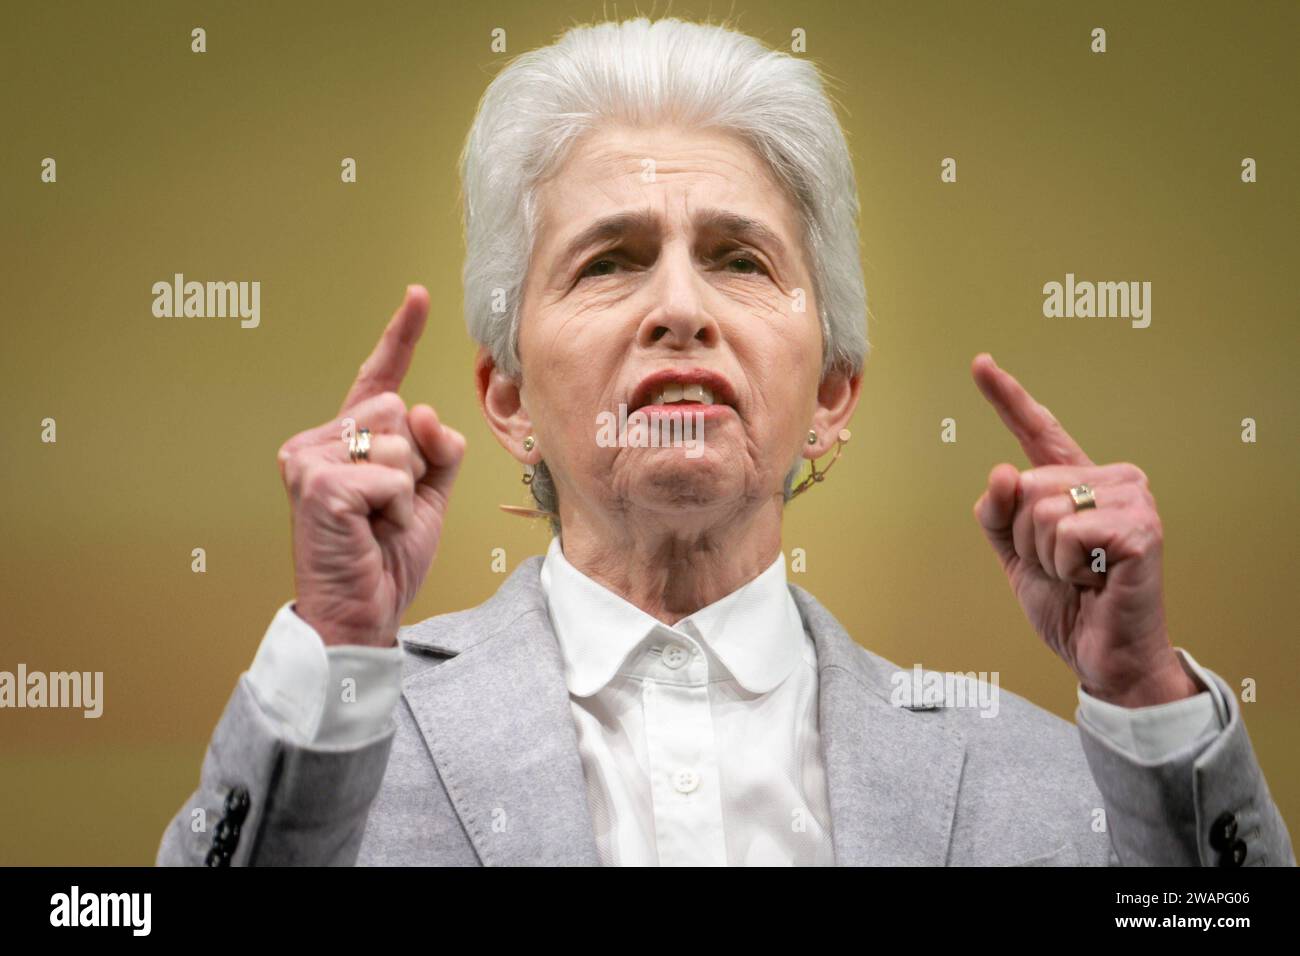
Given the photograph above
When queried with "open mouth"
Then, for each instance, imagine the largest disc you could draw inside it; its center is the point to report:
(695, 389)
(679, 393)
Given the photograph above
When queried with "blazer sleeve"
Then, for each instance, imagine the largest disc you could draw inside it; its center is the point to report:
(1205, 804)
(265, 800)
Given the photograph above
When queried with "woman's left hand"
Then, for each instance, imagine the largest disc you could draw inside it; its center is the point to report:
(1108, 626)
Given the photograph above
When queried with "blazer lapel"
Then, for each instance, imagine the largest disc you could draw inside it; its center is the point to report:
(893, 773)
(497, 721)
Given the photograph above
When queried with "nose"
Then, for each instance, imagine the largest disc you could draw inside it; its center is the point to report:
(678, 316)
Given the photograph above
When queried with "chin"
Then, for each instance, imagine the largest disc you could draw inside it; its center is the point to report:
(683, 494)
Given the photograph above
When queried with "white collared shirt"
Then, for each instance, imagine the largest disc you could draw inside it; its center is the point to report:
(699, 742)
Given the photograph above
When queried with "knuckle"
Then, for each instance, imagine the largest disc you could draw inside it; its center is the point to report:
(1145, 538)
(292, 444)
(1135, 474)
(292, 460)
(291, 473)
(1140, 495)
(336, 506)
(315, 484)
(390, 404)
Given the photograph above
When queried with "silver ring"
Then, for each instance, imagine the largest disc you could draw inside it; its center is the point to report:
(359, 445)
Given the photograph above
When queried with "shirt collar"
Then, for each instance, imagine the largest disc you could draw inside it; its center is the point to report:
(755, 631)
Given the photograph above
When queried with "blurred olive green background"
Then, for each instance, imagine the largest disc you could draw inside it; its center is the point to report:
(225, 166)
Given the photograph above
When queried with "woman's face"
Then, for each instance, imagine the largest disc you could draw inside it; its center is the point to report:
(670, 249)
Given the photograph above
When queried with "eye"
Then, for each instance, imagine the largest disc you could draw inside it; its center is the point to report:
(741, 261)
(598, 267)
(748, 265)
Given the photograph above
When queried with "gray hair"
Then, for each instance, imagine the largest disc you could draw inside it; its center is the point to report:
(641, 72)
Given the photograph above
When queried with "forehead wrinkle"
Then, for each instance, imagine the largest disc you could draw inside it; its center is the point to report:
(620, 161)
(647, 221)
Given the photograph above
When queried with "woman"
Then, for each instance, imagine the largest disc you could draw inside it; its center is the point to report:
(653, 692)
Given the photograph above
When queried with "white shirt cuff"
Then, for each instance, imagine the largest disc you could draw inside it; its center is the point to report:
(1154, 733)
(342, 695)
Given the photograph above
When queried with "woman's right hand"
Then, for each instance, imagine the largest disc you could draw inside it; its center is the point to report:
(366, 532)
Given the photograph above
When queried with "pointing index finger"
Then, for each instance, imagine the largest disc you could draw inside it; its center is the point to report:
(386, 366)
(1042, 437)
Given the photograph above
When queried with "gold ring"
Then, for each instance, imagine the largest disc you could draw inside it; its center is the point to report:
(359, 445)
(1083, 497)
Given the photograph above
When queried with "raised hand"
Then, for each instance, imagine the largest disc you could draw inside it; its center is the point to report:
(366, 532)
(1108, 627)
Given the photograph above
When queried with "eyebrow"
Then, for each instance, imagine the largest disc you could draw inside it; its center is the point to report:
(611, 227)
(741, 227)
(718, 221)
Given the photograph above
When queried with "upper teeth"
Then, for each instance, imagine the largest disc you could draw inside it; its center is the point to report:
(681, 392)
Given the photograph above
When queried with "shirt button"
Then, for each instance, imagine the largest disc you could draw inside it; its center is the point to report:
(675, 656)
(686, 780)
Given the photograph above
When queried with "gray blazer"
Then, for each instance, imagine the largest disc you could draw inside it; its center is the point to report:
(482, 767)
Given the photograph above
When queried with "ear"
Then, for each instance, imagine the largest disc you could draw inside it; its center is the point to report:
(501, 400)
(837, 397)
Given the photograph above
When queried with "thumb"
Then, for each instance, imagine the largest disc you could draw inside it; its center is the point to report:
(442, 447)
(996, 510)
